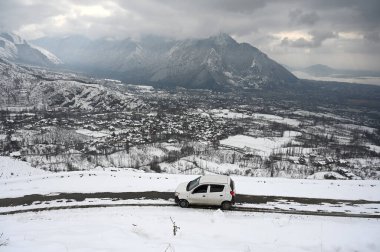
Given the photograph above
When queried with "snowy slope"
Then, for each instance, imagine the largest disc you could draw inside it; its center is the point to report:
(12, 168)
(38, 88)
(129, 180)
(150, 229)
(51, 57)
(16, 49)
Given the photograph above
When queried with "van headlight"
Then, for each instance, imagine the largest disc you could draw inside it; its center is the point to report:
(176, 194)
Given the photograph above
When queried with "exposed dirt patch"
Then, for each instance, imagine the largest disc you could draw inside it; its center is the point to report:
(69, 197)
(259, 199)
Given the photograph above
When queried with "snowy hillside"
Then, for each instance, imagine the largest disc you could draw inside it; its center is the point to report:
(12, 168)
(218, 62)
(16, 49)
(145, 223)
(150, 229)
(28, 180)
(35, 88)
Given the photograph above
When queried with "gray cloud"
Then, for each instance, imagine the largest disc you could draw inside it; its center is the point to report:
(282, 29)
(297, 16)
(236, 6)
(373, 36)
(15, 13)
(349, 14)
(317, 38)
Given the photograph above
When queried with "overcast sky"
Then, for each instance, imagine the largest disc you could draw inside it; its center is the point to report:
(338, 33)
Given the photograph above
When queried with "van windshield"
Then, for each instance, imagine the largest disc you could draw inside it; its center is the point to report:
(192, 184)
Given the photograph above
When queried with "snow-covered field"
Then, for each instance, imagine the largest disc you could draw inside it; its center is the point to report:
(150, 229)
(278, 119)
(261, 145)
(28, 180)
(12, 168)
(225, 113)
(90, 133)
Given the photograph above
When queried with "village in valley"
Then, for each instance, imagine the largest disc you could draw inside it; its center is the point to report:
(195, 132)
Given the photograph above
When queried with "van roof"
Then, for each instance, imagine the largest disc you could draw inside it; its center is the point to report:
(218, 179)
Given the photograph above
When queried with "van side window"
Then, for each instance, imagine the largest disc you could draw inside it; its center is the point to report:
(201, 189)
(216, 188)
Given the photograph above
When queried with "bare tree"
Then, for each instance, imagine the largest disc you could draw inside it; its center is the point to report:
(175, 227)
(3, 241)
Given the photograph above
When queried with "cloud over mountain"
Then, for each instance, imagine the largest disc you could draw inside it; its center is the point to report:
(351, 26)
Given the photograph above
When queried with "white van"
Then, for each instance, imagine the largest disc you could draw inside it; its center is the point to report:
(214, 190)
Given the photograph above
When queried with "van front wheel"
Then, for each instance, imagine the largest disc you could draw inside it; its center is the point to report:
(226, 205)
(183, 203)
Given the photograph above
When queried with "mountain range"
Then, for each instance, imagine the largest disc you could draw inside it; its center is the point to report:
(321, 72)
(217, 62)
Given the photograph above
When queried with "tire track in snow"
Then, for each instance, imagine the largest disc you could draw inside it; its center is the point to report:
(234, 209)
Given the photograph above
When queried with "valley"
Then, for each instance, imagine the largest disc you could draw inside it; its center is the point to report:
(68, 122)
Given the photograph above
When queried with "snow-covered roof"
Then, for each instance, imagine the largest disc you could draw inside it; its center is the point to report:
(214, 179)
(15, 154)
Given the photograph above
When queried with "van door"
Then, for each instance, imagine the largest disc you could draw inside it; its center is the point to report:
(217, 194)
(199, 195)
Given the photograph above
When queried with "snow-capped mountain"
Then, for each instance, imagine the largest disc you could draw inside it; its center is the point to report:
(217, 62)
(38, 88)
(16, 49)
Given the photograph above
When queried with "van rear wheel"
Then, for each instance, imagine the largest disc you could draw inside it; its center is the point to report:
(183, 203)
(226, 205)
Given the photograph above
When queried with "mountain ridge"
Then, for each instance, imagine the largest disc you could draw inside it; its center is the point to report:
(18, 50)
(217, 62)
(321, 70)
